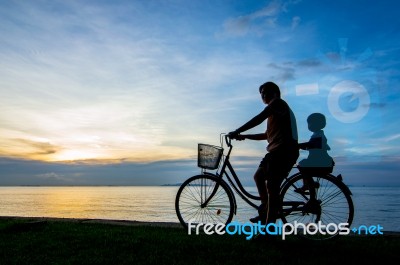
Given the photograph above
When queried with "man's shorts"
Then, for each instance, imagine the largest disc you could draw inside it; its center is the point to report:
(278, 163)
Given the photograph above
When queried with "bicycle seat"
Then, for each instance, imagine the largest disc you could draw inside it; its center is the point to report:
(315, 170)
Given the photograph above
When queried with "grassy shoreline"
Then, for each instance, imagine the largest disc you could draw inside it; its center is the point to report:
(88, 241)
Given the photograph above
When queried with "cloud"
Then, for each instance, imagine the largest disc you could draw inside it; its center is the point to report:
(94, 84)
(29, 172)
(42, 148)
(379, 105)
(283, 73)
(260, 21)
(390, 138)
(240, 26)
(52, 178)
(362, 170)
(99, 86)
(126, 82)
(309, 63)
(20, 147)
(295, 22)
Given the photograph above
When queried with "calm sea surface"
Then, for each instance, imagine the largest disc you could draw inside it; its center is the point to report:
(373, 205)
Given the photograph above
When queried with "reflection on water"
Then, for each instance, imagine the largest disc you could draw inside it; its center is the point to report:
(122, 203)
(373, 205)
(377, 205)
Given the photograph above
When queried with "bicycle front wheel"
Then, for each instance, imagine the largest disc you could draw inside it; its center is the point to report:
(204, 199)
(332, 208)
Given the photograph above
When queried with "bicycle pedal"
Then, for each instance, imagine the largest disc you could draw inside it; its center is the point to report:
(301, 191)
(258, 219)
(313, 207)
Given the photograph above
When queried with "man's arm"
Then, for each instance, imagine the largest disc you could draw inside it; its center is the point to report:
(257, 120)
(257, 137)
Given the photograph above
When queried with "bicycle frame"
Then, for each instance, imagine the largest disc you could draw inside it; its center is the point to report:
(235, 184)
(228, 171)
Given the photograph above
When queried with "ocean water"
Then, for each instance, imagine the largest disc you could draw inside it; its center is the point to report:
(373, 205)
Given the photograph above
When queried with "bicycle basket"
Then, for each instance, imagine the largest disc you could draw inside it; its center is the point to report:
(209, 156)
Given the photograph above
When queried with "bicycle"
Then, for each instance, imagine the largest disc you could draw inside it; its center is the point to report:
(208, 198)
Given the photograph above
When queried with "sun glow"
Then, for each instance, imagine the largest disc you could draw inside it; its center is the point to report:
(73, 155)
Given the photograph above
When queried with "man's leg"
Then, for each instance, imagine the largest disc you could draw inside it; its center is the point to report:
(279, 165)
(271, 203)
(273, 188)
(259, 178)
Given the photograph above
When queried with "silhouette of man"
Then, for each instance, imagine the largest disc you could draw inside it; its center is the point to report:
(281, 134)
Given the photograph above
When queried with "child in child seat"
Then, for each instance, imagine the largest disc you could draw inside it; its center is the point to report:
(317, 146)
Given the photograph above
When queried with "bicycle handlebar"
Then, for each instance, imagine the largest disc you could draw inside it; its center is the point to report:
(228, 140)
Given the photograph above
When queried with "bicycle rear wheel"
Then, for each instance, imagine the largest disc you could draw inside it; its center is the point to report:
(332, 208)
(204, 199)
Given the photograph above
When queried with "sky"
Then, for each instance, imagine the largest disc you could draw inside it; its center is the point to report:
(121, 92)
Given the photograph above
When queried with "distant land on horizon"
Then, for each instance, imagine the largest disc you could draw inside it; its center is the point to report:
(377, 185)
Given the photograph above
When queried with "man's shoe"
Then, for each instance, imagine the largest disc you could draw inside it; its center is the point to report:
(260, 218)
(303, 190)
(262, 215)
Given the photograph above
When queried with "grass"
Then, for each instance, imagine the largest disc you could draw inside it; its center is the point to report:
(62, 242)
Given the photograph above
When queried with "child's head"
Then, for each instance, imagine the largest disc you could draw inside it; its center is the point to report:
(316, 121)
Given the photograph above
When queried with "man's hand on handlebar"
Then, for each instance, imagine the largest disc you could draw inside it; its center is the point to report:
(235, 135)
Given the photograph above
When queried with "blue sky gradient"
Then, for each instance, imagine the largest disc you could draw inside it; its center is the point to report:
(121, 92)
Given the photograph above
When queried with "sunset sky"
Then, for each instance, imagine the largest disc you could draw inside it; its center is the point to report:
(121, 92)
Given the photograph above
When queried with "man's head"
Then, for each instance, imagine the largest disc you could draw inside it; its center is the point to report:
(269, 91)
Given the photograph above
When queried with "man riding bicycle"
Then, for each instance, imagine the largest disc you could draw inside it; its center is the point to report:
(283, 151)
